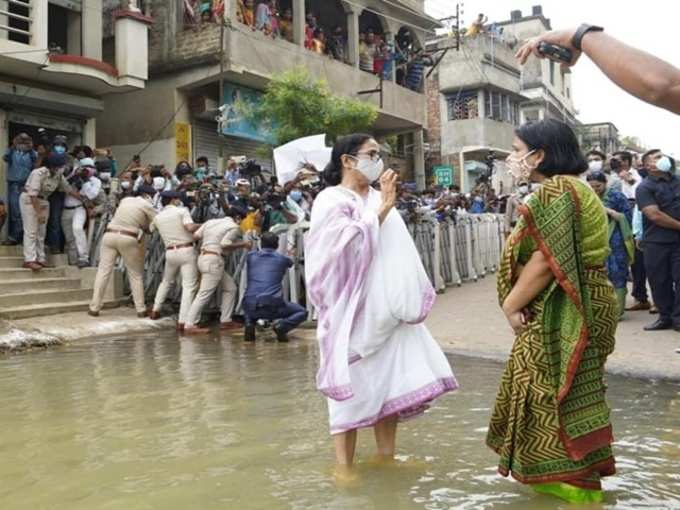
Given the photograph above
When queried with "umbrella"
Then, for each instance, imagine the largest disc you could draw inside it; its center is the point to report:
(293, 156)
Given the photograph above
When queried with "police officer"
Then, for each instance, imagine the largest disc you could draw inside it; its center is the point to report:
(124, 237)
(176, 228)
(217, 236)
(55, 236)
(658, 197)
(35, 207)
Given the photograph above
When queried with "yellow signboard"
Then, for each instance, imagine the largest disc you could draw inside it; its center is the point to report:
(183, 141)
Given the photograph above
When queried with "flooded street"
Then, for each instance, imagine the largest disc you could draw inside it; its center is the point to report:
(153, 423)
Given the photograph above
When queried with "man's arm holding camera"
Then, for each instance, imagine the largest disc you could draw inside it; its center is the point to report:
(637, 72)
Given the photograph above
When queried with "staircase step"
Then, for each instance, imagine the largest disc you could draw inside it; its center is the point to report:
(29, 285)
(11, 262)
(24, 274)
(37, 297)
(11, 251)
(27, 311)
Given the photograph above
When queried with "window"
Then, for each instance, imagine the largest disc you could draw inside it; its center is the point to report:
(463, 105)
(552, 72)
(501, 107)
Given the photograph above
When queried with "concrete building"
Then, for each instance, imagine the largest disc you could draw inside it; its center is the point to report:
(603, 136)
(480, 94)
(54, 72)
(174, 117)
(546, 85)
(474, 107)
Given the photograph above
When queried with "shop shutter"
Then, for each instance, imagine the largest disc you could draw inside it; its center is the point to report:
(207, 143)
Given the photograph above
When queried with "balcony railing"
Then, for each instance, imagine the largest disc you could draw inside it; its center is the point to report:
(16, 20)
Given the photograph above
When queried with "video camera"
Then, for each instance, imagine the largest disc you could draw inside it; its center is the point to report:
(250, 169)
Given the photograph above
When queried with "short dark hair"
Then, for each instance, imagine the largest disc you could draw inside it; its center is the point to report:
(562, 153)
(350, 145)
(202, 158)
(595, 152)
(269, 241)
(625, 156)
(649, 153)
(597, 176)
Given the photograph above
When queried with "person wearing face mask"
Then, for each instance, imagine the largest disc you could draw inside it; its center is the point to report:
(55, 236)
(124, 238)
(20, 159)
(595, 160)
(202, 170)
(658, 198)
(512, 208)
(366, 279)
(35, 207)
(176, 228)
(621, 243)
(75, 213)
(554, 433)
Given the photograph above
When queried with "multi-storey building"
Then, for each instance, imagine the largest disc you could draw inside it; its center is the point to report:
(603, 136)
(480, 95)
(174, 117)
(59, 58)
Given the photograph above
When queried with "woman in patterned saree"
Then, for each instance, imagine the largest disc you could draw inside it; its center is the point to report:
(621, 244)
(550, 423)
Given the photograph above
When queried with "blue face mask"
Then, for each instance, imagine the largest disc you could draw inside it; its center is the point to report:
(664, 164)
(59, 149)
(296, 195)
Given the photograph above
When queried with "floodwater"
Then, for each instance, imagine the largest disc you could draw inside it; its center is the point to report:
(155, 423)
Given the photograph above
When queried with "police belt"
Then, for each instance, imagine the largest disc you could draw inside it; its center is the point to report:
(121, 232)
(208, 252)
(179, 246)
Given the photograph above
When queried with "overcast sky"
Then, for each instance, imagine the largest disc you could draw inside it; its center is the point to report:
(650, 25)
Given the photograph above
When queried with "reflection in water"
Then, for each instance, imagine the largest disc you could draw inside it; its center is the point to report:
(151, 422)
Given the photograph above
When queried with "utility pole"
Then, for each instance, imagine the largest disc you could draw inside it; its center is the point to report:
(220, 126)
(444, 51)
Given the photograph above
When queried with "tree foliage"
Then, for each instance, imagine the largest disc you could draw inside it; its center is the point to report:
(297, 105)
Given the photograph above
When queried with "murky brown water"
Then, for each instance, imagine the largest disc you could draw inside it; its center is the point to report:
(153, 423)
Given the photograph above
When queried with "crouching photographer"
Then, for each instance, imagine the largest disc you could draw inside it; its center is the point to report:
(263, 298)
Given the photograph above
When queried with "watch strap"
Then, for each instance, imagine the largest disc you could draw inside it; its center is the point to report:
(582, 31)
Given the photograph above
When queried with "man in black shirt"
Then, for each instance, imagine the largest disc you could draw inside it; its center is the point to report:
(658, 197)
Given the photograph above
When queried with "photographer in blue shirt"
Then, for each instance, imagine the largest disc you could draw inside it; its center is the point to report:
(263, 298)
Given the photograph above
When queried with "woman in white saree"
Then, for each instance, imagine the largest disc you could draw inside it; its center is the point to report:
(378, 362)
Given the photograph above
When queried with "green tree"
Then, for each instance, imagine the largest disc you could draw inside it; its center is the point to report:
(297, 105)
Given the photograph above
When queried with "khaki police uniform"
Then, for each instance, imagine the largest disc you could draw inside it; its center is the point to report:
(41, 183)
(123, 238)
(180, 257)
(215, 235)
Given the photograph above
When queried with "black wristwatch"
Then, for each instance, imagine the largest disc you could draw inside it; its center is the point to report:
(583, 30)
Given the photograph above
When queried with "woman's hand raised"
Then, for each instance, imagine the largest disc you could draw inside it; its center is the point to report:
(388, 190)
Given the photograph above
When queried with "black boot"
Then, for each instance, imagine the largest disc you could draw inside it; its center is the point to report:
(281, 335)
(249, 333)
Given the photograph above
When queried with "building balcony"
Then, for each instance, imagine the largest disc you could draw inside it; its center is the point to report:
(42, 42)
(251, 58)
(481, 61)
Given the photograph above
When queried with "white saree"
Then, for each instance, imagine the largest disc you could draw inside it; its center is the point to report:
(372, 294)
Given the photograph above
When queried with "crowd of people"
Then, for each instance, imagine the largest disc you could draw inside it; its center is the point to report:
(58, 197)
(399, 60)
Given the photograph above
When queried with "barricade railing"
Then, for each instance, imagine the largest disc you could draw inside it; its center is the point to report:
(458, 249)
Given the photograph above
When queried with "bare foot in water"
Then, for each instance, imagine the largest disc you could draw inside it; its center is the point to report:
(345, 476)
(381, 460)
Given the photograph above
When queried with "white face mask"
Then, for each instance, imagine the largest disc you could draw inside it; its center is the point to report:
(523, 189)
(158, 183)
(664, 164)
(369, 168)
(125, 184)
(595, 166)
